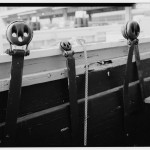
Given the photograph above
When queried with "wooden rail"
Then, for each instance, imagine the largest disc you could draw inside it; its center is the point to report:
(49, 64)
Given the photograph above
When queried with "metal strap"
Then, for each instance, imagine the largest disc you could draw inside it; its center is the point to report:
(14, 95)
(140, 71)
(73, 99)
(126, 84)
(133, 46)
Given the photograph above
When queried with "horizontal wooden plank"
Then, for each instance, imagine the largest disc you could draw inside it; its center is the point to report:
(95, 96)
(54, 93)
(47, 63)
(54, 120)
(51, 75)
(63, 106)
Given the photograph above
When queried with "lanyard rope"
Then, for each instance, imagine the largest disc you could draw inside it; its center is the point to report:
(81, 42)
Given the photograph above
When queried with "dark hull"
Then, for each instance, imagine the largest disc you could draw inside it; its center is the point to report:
(44, 114)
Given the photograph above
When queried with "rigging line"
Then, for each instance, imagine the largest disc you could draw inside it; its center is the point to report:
(81, 42)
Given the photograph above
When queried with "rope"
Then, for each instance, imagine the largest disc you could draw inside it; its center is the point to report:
(81, 41)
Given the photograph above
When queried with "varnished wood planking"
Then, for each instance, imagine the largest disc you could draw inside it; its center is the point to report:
(98, 51)
(50, 63)
(42, 67)
(41, 70)
(44, 76)
(38, 97)
(111, 99)
(110, 84)
(56, 92)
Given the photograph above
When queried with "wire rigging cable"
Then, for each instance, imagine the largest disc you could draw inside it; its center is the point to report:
(81, 42)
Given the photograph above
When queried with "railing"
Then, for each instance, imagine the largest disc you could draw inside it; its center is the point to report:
(49, 64)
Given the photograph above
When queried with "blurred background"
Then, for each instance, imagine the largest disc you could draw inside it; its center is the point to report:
(93, 24)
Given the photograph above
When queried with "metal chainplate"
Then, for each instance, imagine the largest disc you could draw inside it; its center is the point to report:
(133, 46)
(14, 96)
(74, 116)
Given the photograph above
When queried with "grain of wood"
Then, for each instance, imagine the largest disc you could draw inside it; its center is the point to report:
(51, 75)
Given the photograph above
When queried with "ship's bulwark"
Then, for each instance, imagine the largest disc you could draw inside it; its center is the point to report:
(44, 115)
